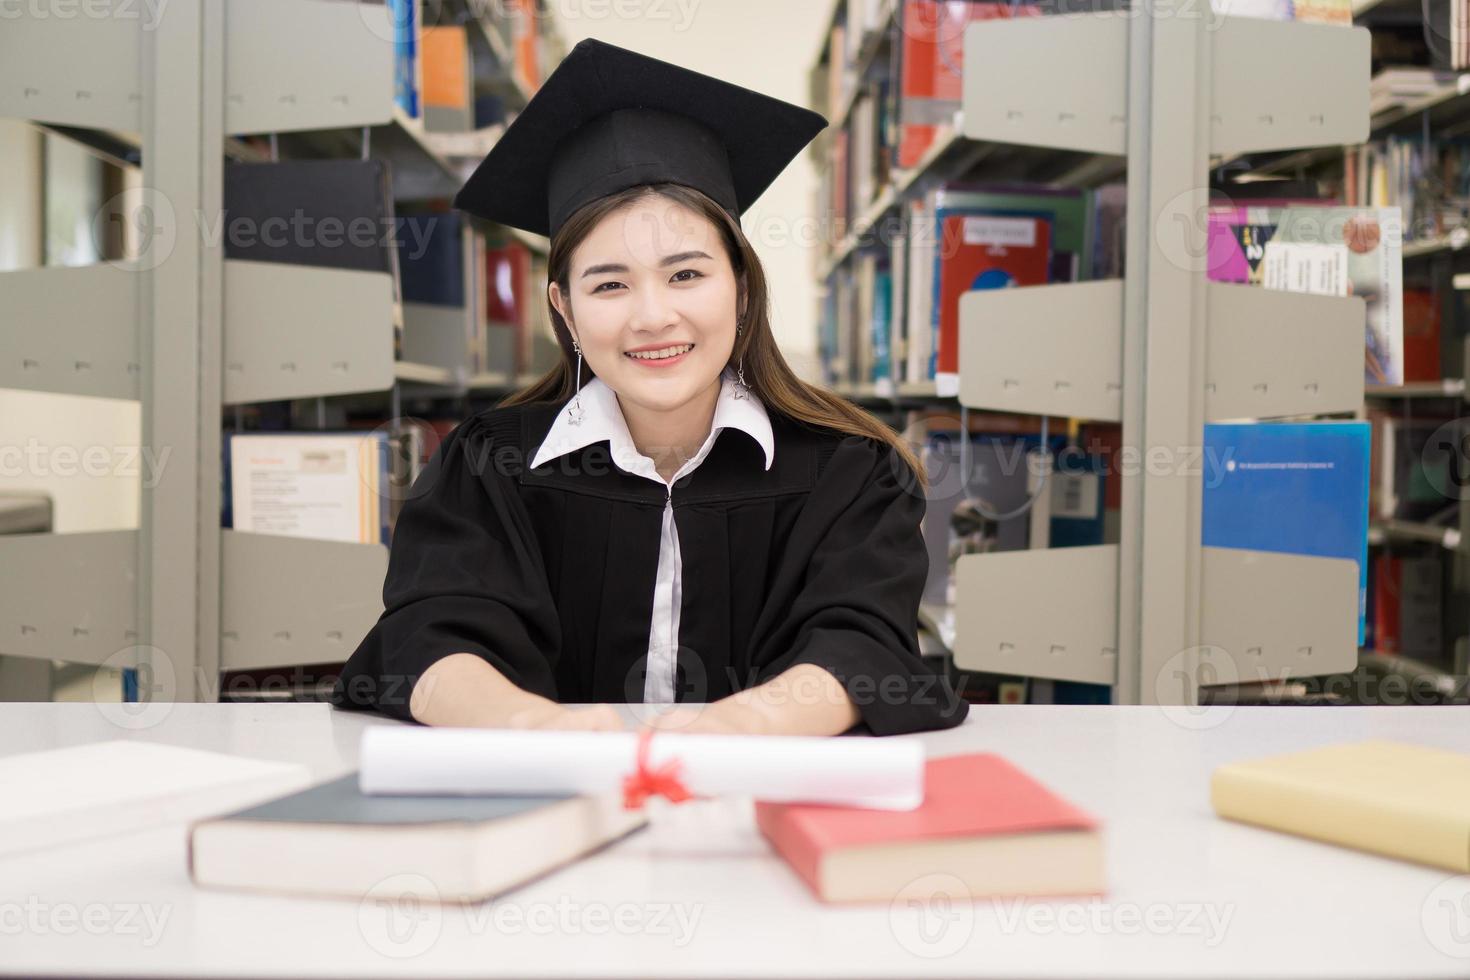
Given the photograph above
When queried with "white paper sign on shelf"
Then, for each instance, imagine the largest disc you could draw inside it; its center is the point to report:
(880, 774)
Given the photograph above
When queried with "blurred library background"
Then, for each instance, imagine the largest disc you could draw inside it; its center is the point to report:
(1217, 453)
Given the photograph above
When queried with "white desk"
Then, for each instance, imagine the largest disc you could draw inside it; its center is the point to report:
(1288, 907)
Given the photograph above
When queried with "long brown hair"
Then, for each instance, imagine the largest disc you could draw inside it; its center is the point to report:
(767, 372)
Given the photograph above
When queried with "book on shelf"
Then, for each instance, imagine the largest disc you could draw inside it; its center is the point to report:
(1109, 243)
(931, 67)
(509, 297)
(1338, 12)
(1396, 799)
(1406, 596)
(333, 840)
(434, 251)
(1423, 335)
(1291, 487)
(850, 29)
(994, 828)
(979, 251)
(1238, 229)
(1428, 180)
(448, 94)
(407, 69)
(326, 486)
(949, 253)
(524, 18)
(335, 214)
(1417, 464)
(1321, 249)
(1369, 246)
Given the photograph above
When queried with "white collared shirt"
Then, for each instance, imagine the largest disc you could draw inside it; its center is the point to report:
(603, 421)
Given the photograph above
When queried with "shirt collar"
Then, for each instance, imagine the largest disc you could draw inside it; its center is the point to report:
(603, 421)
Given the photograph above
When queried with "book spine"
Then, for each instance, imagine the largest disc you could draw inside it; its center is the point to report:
(795, 848)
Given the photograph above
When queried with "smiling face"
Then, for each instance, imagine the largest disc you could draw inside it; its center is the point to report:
(652, 300)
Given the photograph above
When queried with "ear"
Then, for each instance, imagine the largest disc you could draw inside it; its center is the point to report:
(563, 305)
(743, 297)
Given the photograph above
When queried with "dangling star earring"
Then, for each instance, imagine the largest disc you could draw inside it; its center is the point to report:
(741, 388)
(574, 413)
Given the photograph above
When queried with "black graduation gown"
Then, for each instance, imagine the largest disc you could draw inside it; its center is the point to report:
(549, 573)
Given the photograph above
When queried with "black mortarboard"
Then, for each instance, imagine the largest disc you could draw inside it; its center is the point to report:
(608, 118)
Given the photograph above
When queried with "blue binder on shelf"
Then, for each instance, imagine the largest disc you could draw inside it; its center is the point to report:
(1293, 487)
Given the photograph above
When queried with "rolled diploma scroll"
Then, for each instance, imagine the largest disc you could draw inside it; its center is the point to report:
(880, 774)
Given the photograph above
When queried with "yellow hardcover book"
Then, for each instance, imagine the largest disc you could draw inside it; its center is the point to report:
(1392, 798)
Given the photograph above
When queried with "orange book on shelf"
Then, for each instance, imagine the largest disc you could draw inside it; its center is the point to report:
(446, 53)
(527, 64)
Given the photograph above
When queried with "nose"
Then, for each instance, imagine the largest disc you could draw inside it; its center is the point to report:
(652, 310)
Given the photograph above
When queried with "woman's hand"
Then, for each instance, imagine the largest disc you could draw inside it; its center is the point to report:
(724, 717)
(551, 716)
(804, 700)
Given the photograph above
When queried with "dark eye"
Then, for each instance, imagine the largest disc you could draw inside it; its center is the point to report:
(692, 272)
(599, 287)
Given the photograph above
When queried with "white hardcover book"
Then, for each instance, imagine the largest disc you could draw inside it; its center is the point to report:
(309, 485)
(105, 788)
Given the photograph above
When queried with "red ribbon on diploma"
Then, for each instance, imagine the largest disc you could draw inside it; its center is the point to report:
(645, 781)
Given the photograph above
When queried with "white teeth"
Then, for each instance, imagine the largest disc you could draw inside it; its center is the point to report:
(654, 355)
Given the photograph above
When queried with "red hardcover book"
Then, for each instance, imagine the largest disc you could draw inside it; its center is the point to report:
(933, 60)
(1421, 335)
(1387, 587)
(980, 251)
(983, 821)
(507, 297)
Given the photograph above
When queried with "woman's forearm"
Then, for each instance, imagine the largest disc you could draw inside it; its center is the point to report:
(463, 690)
(804, 700)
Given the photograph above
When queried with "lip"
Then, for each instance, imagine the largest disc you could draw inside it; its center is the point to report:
(668, 343)
(666, 362)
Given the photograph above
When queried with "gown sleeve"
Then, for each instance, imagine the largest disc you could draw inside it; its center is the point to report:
(858, 607)
(465, 574)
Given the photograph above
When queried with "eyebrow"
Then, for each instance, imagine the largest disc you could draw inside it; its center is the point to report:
(667, 260)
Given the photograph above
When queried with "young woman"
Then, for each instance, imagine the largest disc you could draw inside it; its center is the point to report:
(669, 515)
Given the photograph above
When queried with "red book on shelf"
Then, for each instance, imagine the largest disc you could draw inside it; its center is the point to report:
(933, 59)
(1387, 587)
(981, 251)
(508, 298)
(1421, 335)
(983, 821)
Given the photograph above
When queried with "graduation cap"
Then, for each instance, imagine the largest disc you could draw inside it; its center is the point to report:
(608, 118)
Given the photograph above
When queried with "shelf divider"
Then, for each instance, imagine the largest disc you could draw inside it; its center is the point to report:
(1278, 85)
(299, 331)
(288, 601)
(69, 597)
(77, 71)
(1278, 616)
(72, 330)
(1072, 98)
(280, 76)
(1270, 353)
(1044, 350)
(1048, 612)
